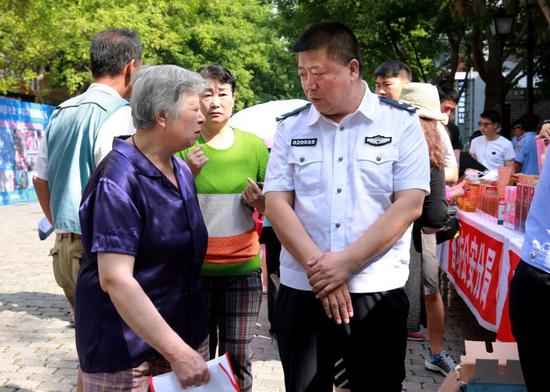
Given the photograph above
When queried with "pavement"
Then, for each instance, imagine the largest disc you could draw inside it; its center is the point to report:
(37, 348)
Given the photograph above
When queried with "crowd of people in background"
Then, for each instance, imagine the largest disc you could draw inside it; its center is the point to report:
(152, 193)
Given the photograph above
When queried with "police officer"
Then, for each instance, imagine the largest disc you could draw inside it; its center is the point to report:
(346, 178)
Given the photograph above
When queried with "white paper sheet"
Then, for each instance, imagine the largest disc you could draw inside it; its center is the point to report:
(220, 381)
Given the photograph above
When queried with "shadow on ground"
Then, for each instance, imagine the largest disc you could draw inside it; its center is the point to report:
(37, 304)
(15, 388)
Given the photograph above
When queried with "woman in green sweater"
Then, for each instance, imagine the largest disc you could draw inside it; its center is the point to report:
(228, 164)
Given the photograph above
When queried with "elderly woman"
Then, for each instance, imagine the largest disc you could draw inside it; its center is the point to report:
(228, 163)
(139, 305)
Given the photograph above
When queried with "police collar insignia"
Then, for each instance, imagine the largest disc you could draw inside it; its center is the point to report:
(378, 140)
(303, 142)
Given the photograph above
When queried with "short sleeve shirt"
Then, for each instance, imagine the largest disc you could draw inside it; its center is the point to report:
(129, 207)
(344, 176)
(119, 123)
(449, 158)
(526, 153)
(536, 244)
(454, 133)
(492, 153)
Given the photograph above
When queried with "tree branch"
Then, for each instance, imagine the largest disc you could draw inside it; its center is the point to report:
(545, 10)
(515, 71)
(477, 43)
(417, 57)
(477, 53)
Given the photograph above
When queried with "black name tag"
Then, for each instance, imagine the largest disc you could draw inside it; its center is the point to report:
(378, 140)
(303, 142)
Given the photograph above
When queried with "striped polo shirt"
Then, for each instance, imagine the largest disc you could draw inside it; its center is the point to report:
(233, 245)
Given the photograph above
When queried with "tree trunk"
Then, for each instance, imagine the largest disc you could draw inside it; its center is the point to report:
(545, 10)
(495, 93)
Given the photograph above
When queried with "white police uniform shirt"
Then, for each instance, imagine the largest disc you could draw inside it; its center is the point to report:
(343, 176)
(536, 244)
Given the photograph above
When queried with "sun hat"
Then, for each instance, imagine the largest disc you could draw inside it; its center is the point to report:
(425, 98)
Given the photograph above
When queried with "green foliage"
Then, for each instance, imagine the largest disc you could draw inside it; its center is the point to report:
(50, 39)
(390, 29)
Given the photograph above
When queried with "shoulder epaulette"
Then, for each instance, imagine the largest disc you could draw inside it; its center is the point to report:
(292, 113)
(397, 104)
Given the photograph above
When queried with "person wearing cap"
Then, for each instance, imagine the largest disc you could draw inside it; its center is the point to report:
(421, 96)
(491, 149)
(526, 160)
(391, 77)
(345, 180)
(425, 98)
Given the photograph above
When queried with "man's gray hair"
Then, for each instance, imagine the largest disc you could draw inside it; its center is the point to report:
(161, 89)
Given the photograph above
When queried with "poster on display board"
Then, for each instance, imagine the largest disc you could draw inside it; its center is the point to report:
(22, 127)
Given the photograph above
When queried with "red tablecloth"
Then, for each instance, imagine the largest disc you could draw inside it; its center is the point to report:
(480, 263)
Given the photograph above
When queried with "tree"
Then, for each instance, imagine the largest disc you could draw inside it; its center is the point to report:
(435, 37)
(49, 40)
(488, 52)
(414, 31)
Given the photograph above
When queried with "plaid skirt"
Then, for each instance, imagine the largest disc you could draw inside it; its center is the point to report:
(132, 380)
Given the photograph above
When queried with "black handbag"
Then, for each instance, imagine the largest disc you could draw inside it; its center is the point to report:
(451, 228)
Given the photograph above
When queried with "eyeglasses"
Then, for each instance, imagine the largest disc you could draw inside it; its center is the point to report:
(484, 124)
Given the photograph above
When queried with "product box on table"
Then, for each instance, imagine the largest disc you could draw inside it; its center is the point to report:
(484, 371)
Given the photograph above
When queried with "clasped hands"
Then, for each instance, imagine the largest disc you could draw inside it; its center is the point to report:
(328, 274)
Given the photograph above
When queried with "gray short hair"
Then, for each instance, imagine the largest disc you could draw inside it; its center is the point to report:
(161, 89)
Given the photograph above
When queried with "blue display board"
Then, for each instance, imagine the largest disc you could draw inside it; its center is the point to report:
(22, 126)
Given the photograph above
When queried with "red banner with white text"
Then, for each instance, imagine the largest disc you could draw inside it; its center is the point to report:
(505, 330)
(474, 268)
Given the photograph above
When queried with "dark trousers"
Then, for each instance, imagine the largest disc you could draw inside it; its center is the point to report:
(373, 348)
(530, 319)
(272, 252)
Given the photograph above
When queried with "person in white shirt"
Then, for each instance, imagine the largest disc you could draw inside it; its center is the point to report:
(491, 149)
(345, 180)
(79, 135)
(117, 124)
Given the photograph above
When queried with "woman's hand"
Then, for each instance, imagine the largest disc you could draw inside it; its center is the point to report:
(545, 132)
(196, 160)
(190, 368)
(253, 196)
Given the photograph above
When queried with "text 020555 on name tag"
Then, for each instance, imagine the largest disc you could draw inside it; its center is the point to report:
(303, 142)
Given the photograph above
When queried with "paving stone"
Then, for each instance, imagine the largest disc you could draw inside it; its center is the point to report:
(23, 383)
(37, 349)
(55, 386)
